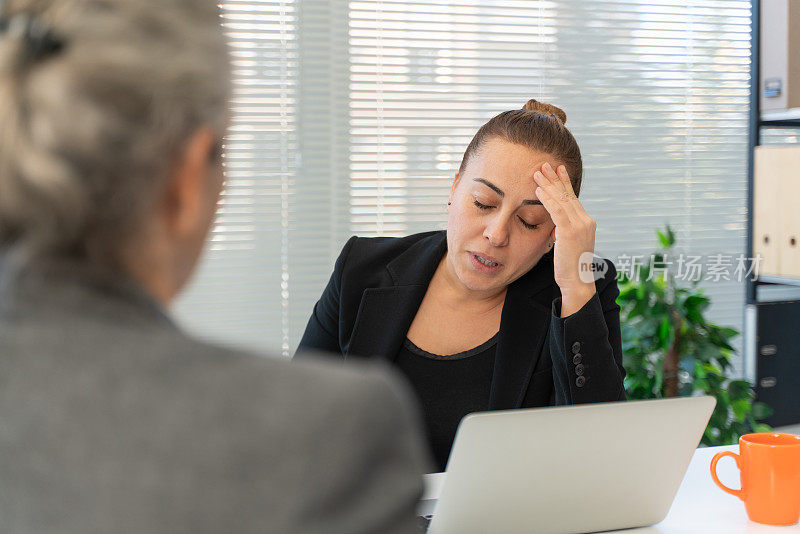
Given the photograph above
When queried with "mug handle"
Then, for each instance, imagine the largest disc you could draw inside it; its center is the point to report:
(717, 457)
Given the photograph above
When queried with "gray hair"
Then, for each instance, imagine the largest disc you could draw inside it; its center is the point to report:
(88, 132)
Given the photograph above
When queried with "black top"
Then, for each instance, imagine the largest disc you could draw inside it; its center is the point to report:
(448, 388)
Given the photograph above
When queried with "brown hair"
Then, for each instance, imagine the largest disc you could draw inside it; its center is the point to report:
(538, 126)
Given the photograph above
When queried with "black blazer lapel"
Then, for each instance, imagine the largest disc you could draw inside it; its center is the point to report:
(383, 319)
(523, 329)
(385, 313)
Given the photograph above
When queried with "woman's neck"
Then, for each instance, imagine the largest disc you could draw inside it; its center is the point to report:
(458, 296)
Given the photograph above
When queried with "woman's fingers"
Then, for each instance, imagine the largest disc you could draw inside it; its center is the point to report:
(564, 193)
(581, 221)
(552, 175)
(563, 176)
(561, 199)
(555, 189)
(554, 207)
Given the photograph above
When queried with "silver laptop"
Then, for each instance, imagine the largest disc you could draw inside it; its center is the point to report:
(569, 469)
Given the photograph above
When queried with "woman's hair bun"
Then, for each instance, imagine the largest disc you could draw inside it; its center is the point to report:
(545, 109)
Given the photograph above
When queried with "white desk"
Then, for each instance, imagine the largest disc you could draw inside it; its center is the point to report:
(699, 507)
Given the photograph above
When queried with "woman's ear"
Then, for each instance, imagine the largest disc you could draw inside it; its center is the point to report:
(456, 180)
(187, 191)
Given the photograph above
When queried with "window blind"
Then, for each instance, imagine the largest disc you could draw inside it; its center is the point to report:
(240, 292)
(352, 117)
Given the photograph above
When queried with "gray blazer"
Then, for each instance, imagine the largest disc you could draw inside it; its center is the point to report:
(113, 420)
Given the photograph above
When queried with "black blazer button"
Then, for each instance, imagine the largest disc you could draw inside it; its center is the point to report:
(579, 369)
(577, 359)
(576, 347)
(580, 381)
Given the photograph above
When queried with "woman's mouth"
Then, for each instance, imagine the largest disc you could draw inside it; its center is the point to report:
(484, 263)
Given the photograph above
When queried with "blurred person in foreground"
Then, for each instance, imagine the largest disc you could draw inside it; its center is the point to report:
(113, 420)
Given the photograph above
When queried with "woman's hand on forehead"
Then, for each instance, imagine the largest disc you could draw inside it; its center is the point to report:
(574, 229)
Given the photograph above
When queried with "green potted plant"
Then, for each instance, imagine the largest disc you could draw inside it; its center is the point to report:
(671, 350)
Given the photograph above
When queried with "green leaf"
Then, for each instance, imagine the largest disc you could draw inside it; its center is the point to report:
(663, 333)
(728, 333)
(667, 238)
(699, 371)
(741, 408)
(739, 389)
(696, 302)
(761, 410)
(670, 235)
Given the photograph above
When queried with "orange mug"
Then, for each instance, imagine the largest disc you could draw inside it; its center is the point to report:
(769, 466)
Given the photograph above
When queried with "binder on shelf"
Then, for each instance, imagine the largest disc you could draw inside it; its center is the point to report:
(776, 218)
(790, 215)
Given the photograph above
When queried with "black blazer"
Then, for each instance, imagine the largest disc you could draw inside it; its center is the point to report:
(377, 287)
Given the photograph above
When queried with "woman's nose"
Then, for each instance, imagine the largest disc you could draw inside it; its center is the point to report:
(497, 232)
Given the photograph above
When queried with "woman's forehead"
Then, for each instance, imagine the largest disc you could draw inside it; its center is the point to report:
(507, 169)
(500, 159)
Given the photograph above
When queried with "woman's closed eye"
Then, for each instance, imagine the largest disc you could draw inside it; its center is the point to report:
(525, 223)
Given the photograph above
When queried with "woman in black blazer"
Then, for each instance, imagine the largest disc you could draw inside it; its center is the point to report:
(507, 308)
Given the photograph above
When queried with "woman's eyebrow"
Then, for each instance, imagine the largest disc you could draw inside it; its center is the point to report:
(490, 185)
